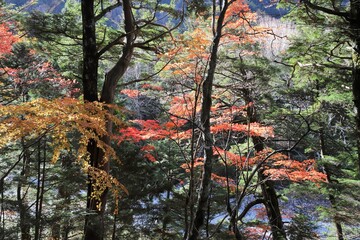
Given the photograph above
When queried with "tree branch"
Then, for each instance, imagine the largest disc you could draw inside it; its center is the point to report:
(118, 40)
(106, 10)
(309, 4)
(249, 206)
(146, 78)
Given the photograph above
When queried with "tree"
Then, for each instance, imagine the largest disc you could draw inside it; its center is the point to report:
(95, 50)
(91, 56)
(350, 15)
(323, 110)
(187, 69)
(326, 64)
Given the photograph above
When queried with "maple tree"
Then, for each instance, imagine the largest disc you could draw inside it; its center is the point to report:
(184, 109)
(58, 118)
(29, 119)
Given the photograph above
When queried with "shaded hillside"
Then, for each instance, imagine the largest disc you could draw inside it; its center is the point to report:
(263, 6)
(267, 8)
(53, 6)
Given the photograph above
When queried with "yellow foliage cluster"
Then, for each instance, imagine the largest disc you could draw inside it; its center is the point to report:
(101, 181)
(59, 119)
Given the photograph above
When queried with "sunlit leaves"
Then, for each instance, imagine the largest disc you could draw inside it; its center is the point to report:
(101, 180)
(197, 162)
(57, 118)
(62, 119)
(224, 182)
(238, 19)
(253, 129)
(190, 55)
(231, 158)
(182, 107)
(280, 166)
(131, 93)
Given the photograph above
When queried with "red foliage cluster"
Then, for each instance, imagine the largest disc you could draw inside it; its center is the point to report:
(257, 232)
(252, 129)
(234, 159)
(149, 130)
(197, 162)
(7, 39)
(131, 93)
(227, 114)
(147, 150)
(184, 106)
(277, 167)
(224, 182)
(280, 167)
(152, 87)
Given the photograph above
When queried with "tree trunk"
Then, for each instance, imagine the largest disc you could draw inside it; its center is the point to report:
(267, 186)
(190, 197)
(2, 211)
(94, 227)
(204, 192)
(166, 209)
(25, 218)
(93, 221)
(355, 35)
(113, 235)
(338, 226)
(39, 193)
(272, 207)
(332, 199)
(90, 58)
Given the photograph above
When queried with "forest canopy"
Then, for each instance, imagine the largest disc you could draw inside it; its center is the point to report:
(226, 119)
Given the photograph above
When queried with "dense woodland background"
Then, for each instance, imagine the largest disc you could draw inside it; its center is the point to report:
(226, 119)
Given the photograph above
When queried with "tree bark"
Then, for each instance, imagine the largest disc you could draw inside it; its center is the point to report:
(40, 191)
(2, 211)
(94, 225)
(93, 222)
(355, 35)
(204, 192)
(25, 218)
(267, 187)
(272, 207)
(90, 58)
(332, 199)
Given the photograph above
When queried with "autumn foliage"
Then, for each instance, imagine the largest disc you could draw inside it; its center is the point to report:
(277, 167)
(7, 39)
(61, 120)
(186, 70)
